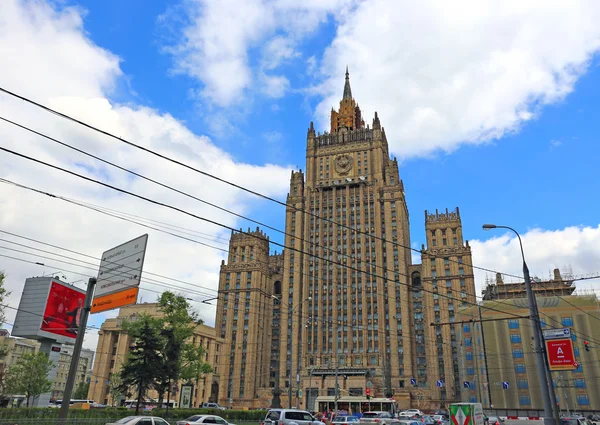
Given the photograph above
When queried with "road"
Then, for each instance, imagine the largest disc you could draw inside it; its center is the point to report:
(517, 422)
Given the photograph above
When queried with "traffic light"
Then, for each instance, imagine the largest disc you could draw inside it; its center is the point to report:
(587, 345)
(368, 391)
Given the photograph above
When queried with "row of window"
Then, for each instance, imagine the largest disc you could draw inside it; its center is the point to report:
(565, 321)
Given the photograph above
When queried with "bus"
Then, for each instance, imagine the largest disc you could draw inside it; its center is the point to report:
(355, 404)
(150, 404)
(73, 401)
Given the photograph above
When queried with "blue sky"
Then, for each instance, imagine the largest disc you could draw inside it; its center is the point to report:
(538, 176)
(491, 107)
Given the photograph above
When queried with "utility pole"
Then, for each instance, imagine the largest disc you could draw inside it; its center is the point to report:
(546, 385)
(485, 360)
(64, 407)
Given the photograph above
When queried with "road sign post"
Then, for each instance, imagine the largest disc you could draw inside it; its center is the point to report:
(119, 275)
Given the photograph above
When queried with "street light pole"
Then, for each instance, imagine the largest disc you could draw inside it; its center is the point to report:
(548, 394)
(291, 374)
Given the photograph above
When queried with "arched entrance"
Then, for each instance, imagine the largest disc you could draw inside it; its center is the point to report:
(214, 392)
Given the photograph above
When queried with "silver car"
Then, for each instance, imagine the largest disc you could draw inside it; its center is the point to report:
(204, 419)
(379, 418)
(289, 417)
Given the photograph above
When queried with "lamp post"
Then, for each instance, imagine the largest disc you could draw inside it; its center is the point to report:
(291, 375)
(546, 385)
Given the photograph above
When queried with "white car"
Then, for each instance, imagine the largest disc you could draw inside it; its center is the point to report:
(140, 420)
(411, 413)
(204, 419)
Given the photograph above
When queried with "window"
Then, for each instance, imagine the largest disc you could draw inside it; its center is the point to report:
(515, 338)
(473, 399)
(579, 368)
(517, 353)
(467, 342)
(513, 324)
(583, 400)
(520, 368)
(470, 371)
(522, 384)
(576, 351)
(579, 383)
(469, 355)
(543, 323)
(467, 328)
(524, 400)
(573, 336)
(567, 321)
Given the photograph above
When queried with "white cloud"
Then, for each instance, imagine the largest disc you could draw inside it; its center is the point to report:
(274, 86)
(572, 249)
(213, 45)
(442, 74)
(28, 33)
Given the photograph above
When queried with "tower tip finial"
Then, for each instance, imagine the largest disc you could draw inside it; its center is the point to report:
(347, 90)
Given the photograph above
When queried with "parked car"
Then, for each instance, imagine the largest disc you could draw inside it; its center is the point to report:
(213, 406)
(345, 420)
(572, 421)
(377, 417)
(409, 422)
(427, 420)
(440, 419)
(140, 420)
(290, 417)
(411, 412)
(204, 419)
(495, 420)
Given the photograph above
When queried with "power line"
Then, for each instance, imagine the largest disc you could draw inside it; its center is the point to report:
(204, 173)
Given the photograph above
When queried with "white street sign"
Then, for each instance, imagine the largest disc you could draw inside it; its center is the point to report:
(557, 333)
(121, 267)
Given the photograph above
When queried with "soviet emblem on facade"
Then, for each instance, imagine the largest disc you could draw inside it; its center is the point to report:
(343, 163)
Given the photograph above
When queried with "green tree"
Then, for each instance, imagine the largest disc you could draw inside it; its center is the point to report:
(29, 376)
(115, 385)
(144, 358)
(3, 294)
(81, 392)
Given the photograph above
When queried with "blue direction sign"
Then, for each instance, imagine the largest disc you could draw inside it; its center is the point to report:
(505, 385)
(413, 381)
(466, 384)
(440, 384)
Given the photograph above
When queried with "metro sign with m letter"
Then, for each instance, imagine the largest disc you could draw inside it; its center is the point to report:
(560, 354)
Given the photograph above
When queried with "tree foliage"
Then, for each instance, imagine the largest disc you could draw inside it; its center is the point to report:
(29, 376)
(3, 294)
(115, 388)
(175, 356)
(81, 392)
(139, 369)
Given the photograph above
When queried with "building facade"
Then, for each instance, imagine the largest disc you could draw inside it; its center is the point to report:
(113, 346)
(64, 363)
(343, 306)
(504, 344)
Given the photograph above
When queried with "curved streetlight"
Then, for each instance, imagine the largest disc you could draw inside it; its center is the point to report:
(275, 297)
(545, 377)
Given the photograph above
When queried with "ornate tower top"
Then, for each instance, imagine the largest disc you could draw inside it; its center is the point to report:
(349, 116)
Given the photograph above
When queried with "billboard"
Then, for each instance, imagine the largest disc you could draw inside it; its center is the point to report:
(560, 354)
(63, 311)
(49, 309)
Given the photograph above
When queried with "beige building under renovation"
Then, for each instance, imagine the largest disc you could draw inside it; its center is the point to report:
(498, 365)
(344, 299)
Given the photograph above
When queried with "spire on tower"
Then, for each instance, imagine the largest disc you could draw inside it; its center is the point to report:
(347, 89)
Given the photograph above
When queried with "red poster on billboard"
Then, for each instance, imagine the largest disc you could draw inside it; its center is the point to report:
(560, 354)
(63, 311)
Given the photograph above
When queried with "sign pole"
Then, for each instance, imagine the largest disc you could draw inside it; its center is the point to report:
(64, 407)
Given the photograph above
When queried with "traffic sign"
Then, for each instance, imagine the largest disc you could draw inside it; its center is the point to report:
(557, 333)
(561, 355)
(466, 384)
(119, 275)
(505, 385)
(413, 381)
(439, 384)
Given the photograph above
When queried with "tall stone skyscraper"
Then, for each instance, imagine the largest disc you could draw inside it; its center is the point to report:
(343, 303)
